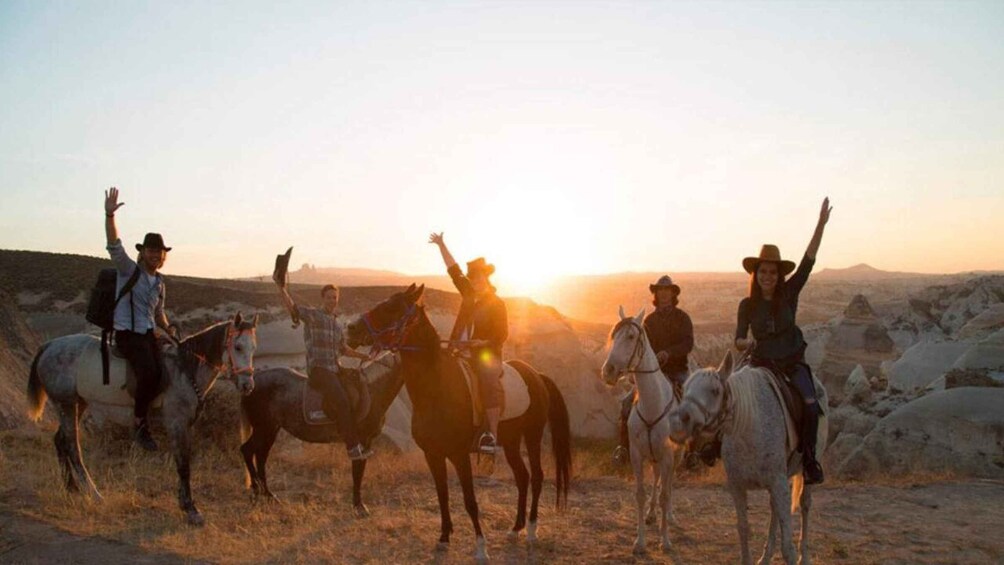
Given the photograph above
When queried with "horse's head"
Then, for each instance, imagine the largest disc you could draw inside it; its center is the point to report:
(627, 343)
(241, 344)
(386, 325)
(703, 404)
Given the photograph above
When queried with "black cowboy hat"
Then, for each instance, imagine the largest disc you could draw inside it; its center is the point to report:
(665, 281)
(769, 253)
(153, 241)
(479, 265)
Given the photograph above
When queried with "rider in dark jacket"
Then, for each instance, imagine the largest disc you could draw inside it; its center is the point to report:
(482, 328)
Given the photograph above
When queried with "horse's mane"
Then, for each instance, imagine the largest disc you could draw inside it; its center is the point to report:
(742, 388)
(206, 342)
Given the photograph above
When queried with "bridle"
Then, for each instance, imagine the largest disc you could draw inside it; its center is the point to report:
(638, 352)
(713, 421)
(391, 338)
(228, 363)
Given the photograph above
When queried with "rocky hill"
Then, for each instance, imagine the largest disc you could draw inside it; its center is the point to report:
(18, 344)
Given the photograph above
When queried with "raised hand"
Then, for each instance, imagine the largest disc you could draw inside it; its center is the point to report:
(436, 238)
(824, 211)
(112, 201)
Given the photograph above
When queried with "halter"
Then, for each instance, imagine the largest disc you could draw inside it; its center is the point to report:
(713, 424)
(639, 349)
(232, 335)
(391, 338)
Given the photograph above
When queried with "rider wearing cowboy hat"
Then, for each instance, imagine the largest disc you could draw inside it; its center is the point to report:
(137, 317)
(777, 342)
(482, 326)
(671, 336)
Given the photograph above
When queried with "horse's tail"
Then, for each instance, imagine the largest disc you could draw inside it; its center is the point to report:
(36, 390)
(561, 440)
(797, 485)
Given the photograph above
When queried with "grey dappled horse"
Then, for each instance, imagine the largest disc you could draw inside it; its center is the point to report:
(756, 451)
(648, 428)
(67, 371)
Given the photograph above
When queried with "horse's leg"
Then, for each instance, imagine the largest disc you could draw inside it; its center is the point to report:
(462, 463)
(358, 470)
(806, 503)
(640, 499)
(665, 496)
(265, 443)
(780, 505)
(651, 516)
(248, 451)
(533, 447)
(182, 451)
(510, 443)
(768, 547)
(742, 523)
(437, 465)
(64, 460)
(69, 425)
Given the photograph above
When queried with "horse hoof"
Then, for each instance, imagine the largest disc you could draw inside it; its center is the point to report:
(666, 546)
(443, 546)
(650, 520)
(513, 535)
(362, 511)
(196, 519)
(639, 548)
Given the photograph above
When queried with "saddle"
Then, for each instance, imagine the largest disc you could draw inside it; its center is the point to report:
(515, 397)
(356, 388)
(792, 406)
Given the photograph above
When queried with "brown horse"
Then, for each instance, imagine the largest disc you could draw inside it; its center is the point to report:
(442, 420)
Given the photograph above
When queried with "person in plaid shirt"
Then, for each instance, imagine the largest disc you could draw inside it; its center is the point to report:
(325, 344)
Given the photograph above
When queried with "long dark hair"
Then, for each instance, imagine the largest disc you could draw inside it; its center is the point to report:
(756, 294)
(675, 301)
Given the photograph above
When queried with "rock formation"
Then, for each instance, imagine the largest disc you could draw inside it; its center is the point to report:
(859, 338)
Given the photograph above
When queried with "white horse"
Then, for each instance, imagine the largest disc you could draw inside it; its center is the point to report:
(756, 449)
(68, 372)
(648, 426)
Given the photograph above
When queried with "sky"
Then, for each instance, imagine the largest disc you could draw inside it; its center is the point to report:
(551, 137)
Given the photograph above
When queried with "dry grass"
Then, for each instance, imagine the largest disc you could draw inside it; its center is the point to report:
(857, 523)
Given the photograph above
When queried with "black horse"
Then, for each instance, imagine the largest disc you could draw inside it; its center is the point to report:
(277, 403)
(442, 419)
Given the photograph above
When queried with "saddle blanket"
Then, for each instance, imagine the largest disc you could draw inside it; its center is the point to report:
(516, 398)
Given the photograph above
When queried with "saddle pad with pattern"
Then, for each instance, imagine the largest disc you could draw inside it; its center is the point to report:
(516, 398)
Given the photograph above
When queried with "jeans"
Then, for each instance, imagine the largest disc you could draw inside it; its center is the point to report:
(336, 403)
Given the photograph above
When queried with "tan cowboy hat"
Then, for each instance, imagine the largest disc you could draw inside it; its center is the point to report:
(479, 265)
(665, 281)
(769, 253)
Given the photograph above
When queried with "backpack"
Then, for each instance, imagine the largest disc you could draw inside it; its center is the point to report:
(101, 308)
(103, 301)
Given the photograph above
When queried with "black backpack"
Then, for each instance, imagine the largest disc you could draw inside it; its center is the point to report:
(101, 308)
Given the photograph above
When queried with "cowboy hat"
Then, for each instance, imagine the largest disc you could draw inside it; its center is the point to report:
(479, 265)
(153, 241)
(665, 281)
(769, 253)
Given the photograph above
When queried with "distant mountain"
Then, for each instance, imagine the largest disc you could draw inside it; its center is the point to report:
(864, 272)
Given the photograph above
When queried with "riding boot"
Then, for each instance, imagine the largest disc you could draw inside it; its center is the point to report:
(812, 471)
(142, 437)
(621, 453)
(711, 451)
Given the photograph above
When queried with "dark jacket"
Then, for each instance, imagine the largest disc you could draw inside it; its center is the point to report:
(669, 329)
(485, 319)
(778, 337)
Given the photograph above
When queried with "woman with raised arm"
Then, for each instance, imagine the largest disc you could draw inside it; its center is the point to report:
(777, 341)
(481, 328)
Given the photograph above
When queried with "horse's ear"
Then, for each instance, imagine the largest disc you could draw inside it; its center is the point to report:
(254, 321)
(725, 369)
(419, 293)
(621, 311)
(238, 319)
(641, 315)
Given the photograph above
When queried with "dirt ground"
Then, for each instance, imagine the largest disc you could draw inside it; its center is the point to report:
(902, 521)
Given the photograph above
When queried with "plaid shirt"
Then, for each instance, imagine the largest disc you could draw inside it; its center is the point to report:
(323, 337)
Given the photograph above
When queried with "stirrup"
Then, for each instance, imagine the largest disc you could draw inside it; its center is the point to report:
(141, 435)
(621, 455)
(359, 453)
(812, 472)
(487, 443)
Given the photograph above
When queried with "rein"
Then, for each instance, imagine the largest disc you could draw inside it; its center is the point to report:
(230, 362)
(638, 352)
(391, 338)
